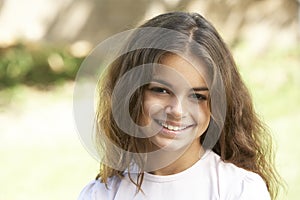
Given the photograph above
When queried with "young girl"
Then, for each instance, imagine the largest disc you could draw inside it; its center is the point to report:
(175, 120)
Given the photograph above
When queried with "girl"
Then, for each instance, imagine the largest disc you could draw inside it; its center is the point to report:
(176, 121)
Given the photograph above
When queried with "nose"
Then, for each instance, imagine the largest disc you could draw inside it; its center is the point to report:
(174, 108)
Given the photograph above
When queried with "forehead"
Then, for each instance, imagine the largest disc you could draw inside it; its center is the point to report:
(177, 70)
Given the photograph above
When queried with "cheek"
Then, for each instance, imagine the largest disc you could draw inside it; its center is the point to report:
(200, 112)
(201, 116)
(205, 113)
(151, 106)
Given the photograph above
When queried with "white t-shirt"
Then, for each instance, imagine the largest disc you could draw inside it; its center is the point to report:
(208, 179)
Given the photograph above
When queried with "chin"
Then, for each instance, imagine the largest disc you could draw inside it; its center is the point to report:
(171, 144)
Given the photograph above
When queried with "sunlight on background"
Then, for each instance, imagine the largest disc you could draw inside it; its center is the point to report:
(43, 42)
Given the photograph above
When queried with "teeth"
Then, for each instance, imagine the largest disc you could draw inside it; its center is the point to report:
(172, 128)
(176, 128)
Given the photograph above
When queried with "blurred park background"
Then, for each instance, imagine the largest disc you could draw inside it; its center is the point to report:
(43, 42)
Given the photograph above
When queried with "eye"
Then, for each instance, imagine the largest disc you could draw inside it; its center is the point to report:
(159, 90)
(198, 97)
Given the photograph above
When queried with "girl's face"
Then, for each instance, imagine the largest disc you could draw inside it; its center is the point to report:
(176, 108)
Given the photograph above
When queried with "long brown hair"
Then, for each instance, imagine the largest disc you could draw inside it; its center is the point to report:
(244, 139)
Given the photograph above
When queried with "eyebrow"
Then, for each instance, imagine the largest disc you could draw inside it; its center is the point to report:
(196, 89)
(162, 82)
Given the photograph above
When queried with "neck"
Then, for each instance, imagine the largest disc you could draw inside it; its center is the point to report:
(191, 155)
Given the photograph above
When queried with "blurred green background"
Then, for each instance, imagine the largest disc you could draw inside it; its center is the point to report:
(43, 42)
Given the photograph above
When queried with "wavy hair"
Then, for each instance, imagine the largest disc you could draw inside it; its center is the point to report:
(244, 139)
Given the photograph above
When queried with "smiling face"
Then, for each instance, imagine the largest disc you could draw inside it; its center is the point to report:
(176, 109)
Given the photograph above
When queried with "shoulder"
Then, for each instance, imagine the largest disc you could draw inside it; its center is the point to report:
(253, 187)
(237, 183)
(97, 190)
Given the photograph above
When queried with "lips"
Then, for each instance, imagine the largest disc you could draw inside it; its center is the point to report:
(172, 126)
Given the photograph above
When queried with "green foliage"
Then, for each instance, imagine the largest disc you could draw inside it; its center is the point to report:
(38, 65)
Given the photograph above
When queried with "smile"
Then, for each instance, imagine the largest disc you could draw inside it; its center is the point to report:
(172, 127)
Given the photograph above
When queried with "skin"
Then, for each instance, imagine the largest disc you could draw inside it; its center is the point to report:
(176, 112)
